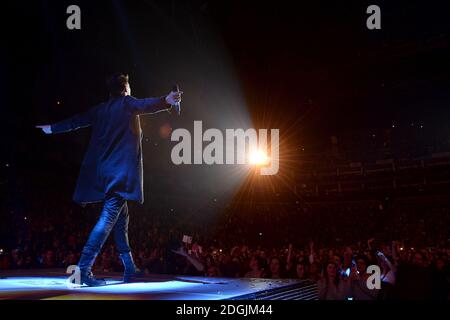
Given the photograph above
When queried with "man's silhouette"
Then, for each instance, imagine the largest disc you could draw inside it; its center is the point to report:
(112, 167)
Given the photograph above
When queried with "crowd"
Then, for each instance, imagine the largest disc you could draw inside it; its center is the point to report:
(340, 272)
(331, 245)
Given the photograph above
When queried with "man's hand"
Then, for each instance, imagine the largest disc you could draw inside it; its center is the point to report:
(381, 255)
(181, 251)
(46, 128)
(174, 97)
(354, 273)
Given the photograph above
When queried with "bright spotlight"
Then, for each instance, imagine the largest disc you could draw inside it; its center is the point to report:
(259, 158)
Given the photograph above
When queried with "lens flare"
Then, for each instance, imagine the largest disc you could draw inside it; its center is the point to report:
(258, 158)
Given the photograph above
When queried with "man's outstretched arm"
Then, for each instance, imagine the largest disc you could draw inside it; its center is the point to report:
(78, 121)
(153, 105)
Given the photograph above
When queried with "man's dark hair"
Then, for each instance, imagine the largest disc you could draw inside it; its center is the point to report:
(117, 84)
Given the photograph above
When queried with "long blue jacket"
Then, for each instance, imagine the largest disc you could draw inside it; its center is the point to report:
(113, 160)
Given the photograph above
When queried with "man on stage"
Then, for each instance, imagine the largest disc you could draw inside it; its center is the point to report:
(112, 167)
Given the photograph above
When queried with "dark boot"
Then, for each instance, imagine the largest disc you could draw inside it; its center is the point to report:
(111, 210)
(85, 264)
(91, 281)
(130, 273)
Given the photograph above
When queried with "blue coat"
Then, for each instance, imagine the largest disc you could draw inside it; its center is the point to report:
(113, 160)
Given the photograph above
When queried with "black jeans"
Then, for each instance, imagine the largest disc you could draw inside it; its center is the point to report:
(114, 217)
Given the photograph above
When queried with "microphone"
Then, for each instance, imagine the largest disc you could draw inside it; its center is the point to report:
(177, 106)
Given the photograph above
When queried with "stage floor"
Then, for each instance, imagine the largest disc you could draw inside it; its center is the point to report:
(52, 284)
